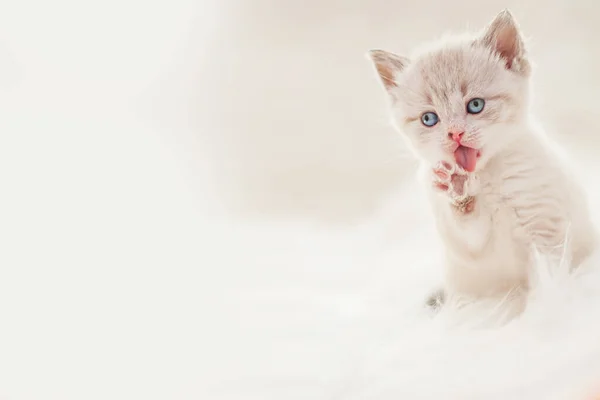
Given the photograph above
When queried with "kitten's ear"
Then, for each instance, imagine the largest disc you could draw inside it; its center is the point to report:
(503, 36)
(388, 66)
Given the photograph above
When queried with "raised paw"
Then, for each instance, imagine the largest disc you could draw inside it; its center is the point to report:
(444, 169)
(442, 176)
(456, 183)
(450, 179)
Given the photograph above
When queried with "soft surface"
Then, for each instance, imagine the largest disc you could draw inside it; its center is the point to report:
(204, 200)
(341, 316)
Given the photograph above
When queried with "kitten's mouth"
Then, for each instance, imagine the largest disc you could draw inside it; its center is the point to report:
(467, 157)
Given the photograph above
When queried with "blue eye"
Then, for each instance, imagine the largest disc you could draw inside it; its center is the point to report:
(429, 119)
(475, 106)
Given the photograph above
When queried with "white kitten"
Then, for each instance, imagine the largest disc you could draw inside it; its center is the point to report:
(499, 187)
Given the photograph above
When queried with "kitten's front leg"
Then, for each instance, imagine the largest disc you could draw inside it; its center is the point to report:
(458, 185)
(464, 222)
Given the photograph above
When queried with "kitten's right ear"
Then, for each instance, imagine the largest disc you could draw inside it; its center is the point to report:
(503, 37)
(388, 66)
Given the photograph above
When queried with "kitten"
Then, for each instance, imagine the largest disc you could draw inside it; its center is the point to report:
(499, 188)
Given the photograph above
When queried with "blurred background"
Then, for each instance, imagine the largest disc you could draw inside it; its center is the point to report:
(193, 192)
(303, 121)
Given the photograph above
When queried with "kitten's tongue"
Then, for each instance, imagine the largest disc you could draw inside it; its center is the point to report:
(466, 157)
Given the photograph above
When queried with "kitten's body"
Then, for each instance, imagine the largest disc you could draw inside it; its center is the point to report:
(526, 200)
(518, 195)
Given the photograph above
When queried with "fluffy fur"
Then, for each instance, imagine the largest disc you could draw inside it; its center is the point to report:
(521, 196)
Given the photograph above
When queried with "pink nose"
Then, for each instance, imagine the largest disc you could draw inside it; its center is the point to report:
(456, 136)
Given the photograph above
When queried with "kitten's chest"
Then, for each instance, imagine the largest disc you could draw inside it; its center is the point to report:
(522, 202)
(519, 187)
(494, 226)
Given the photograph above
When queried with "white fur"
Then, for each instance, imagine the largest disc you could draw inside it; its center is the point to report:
(527, 201)
(522, 196)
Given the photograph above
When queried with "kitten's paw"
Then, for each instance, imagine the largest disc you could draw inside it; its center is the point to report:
(442, 176)
(456, 183)
(450, 179)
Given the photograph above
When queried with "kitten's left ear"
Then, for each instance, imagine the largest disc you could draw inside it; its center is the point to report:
(388, 66)
(504, 37)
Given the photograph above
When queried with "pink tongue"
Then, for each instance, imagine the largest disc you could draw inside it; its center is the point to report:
(466, 157)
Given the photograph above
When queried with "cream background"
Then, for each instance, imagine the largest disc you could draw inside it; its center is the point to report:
(203, 199)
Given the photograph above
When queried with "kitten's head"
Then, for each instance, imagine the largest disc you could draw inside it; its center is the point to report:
(458, 100)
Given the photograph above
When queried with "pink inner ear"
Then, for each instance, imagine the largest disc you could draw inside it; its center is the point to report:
(387, 65)
(386, 73)
(507, 45)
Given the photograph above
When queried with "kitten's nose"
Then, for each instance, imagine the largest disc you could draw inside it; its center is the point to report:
(456, 135)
